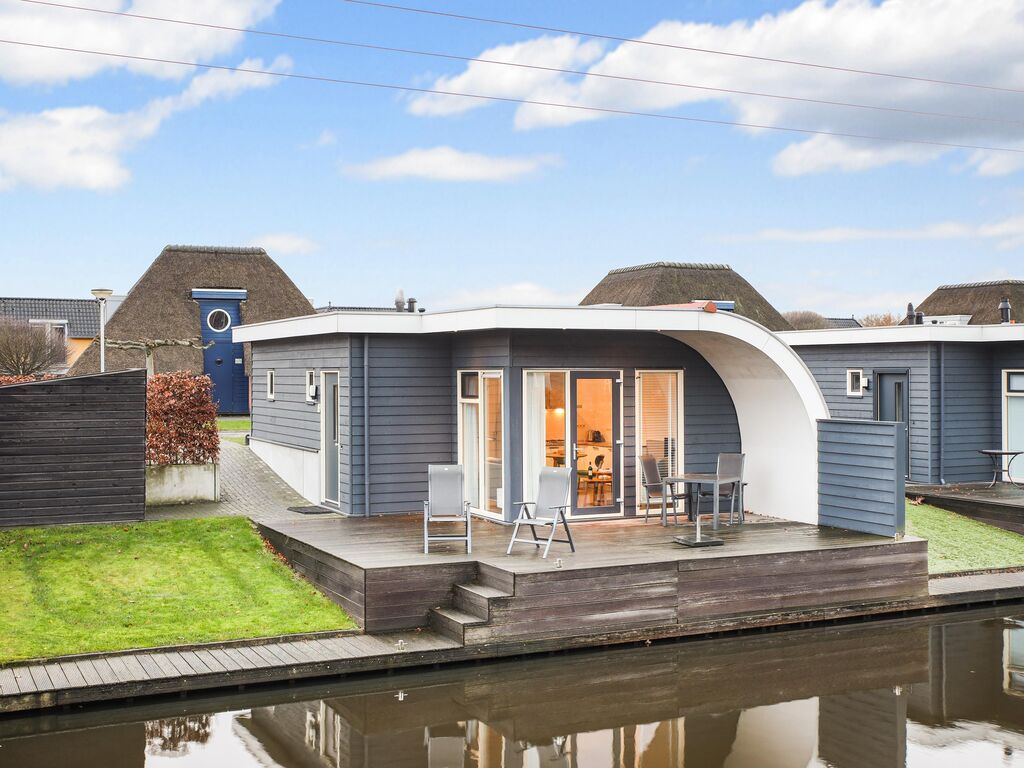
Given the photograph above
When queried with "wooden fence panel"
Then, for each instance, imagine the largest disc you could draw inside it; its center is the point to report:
(73, 450)
(861, 475)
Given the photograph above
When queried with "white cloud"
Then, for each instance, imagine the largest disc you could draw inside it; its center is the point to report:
(944, 39)
(326, 138)
(1008, 233)
(512, 293)
(450, 164)
(563, 52)
(83, 147)
(78, 29)
(285, 243)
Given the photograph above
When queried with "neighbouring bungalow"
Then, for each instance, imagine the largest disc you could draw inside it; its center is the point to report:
(180, 313)
(954, 377)
(664, 283)
(75, 321)
(506, 390)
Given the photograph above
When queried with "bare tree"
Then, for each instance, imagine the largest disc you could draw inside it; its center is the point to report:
(805, 320)
(879, 319)
(27, 349)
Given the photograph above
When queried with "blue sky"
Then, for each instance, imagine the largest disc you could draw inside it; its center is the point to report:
(357, 192)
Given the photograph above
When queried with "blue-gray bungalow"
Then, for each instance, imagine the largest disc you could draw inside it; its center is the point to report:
(957, 386)
(505, 390)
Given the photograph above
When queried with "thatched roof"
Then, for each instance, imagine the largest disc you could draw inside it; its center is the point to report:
(669, 282)
(160, 305)
(979, 300)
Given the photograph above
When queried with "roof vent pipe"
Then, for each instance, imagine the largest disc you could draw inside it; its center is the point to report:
(410, 305)
(911, 320)
(919, 318)
(1004, 310)
(400, 300)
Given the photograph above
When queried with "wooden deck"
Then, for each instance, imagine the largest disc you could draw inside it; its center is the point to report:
(1002, 505)
(625, 576)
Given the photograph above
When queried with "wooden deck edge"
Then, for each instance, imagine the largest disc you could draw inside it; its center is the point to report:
(207, 646)
(370, 663)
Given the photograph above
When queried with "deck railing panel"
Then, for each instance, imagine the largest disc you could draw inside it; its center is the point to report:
(861, 475)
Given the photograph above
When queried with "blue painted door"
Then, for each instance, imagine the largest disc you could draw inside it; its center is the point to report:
(223, 361)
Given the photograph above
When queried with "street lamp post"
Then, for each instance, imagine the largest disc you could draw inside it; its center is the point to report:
(102, 294)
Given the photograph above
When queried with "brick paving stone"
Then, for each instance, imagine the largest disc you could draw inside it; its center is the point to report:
(248, 488)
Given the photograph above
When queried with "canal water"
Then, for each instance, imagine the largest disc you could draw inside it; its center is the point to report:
(937, 691)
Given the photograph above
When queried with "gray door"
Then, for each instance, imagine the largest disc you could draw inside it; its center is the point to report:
(331, 430)
(893, 396)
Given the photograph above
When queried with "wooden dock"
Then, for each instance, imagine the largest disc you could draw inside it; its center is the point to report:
(1002, 505)
(449, 607)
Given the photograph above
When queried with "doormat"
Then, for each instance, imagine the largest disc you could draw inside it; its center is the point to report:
(311, 510)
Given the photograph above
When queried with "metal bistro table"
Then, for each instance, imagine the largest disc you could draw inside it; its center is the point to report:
(692, 482)
(997, 465)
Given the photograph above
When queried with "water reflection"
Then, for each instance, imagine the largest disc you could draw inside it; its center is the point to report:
(928, 692)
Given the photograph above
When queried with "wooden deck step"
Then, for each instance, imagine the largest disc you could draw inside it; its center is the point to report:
(476, 598)
(452, 622)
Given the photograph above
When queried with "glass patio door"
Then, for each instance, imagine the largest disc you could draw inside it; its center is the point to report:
(1014, 421)
(595, 438)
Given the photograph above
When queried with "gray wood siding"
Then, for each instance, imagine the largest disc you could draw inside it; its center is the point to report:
(709, 417)
(829, 364)
(860, 476)
(972, 418)
(412, 419)
(73, 450)
(288, 419)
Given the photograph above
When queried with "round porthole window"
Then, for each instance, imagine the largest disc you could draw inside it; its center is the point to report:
(218, 320)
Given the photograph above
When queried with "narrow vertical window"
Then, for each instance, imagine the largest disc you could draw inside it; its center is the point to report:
(659, 402)
(270, 385)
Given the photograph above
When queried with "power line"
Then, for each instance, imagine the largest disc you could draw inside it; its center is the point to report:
(693, 49)
(510, 100)
(521, 65)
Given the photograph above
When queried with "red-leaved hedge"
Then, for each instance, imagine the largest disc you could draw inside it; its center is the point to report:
(20, 379)
(181, 419)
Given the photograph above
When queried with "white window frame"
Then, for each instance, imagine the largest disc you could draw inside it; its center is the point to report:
(852, 391)
(271, 384)
(211, 314)
(1007, 394)
(638, 422)
(310, 383)
(481, 457)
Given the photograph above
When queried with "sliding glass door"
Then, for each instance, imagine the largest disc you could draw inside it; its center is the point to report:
(544, 426)
(481, 439)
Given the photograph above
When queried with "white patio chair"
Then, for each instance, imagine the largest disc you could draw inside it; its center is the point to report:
(446, 503)
(553, 489)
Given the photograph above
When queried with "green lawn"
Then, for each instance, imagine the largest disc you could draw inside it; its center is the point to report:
(74, 589)
(234, 424)
(957, 543)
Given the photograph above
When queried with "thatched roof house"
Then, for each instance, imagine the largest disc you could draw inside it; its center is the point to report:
(979, 300)
(669, 282)
(162, 305)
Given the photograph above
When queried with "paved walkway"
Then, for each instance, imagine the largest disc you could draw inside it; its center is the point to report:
(248, 488)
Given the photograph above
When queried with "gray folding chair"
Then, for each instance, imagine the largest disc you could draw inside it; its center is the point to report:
(728, 486)
(446, 504)
(548, 510)
(654, 486)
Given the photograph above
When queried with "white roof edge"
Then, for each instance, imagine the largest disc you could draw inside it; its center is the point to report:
(601, 317)
(904, 334)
